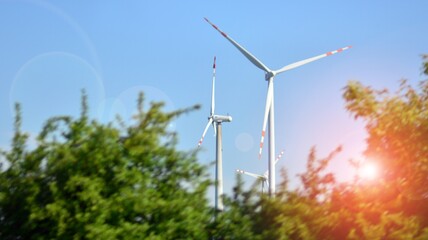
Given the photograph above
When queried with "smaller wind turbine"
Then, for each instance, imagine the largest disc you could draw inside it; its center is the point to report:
(265, 177)
(216, 121)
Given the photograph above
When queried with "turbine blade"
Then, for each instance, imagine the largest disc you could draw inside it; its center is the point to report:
(246, 53)
(266, 174)
(303, 62)
(250, 174)
(279, 156)
(213, 91)
(267, 108)
(205, 131)
(215, 128)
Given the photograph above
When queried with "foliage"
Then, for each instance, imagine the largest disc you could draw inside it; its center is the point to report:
(396, 205)
(86, 180)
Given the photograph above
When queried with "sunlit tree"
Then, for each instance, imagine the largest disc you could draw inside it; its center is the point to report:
(395, 204)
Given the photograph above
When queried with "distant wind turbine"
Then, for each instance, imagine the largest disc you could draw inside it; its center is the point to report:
(216, 121)
(265, 176)
(269, 108)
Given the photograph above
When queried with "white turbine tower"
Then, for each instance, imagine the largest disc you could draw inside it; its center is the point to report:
(216, 121)
(264, 177)
(269, 108)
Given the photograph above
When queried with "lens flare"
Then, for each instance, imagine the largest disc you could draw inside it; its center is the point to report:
(368, 171)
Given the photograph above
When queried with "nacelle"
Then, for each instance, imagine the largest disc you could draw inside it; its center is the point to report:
(220, 118)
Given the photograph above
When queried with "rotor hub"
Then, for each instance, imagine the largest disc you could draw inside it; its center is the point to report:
(269, 75)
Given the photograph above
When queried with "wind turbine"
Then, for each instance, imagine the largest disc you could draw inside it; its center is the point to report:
(216, 121)
(269, 107)
(264, 177)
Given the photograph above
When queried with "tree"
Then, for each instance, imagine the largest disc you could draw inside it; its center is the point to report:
(86, 180)
(396, 205)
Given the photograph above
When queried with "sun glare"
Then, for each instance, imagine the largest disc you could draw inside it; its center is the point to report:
(368, 171)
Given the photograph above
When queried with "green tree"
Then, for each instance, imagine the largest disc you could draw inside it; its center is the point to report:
(86, 180)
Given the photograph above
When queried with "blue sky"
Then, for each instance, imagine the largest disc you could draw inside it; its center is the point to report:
(51, 49)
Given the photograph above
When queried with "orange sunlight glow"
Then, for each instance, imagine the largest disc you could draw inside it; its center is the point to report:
(368, 171)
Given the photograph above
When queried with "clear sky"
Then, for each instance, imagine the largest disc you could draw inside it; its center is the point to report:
(49, 50)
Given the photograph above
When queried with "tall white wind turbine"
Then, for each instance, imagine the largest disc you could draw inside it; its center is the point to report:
(269, 107)
(264, 178)
(216, 121)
